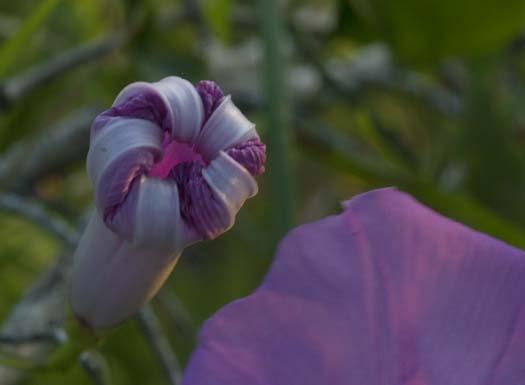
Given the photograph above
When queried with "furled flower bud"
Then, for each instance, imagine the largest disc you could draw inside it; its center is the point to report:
(171, 164)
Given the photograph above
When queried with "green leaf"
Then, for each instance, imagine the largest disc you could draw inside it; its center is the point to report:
(375, 138)
(469, 211)
(11, 49)
(423, 31)
(217, 14)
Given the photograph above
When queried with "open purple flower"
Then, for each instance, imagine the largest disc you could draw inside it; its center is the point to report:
(171, 164)
(387, 293)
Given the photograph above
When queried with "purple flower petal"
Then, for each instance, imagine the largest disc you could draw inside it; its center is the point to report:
(125, 149)
(251, 154)
(146, 103)
(387, 293)
(211, 96)
(225, 128)
(178, 103)
(211, 196)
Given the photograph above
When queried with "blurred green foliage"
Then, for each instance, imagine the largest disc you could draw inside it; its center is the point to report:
(423, 95)
(217, 15)
(16, 43)
(425, 31)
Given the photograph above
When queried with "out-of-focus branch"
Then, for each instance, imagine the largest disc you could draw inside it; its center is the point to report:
(341, 151)
(372, 67)
(338, 152)
(38, 312)
(15, 88)
(95, 367)
(56, 335)
(159, 344)
(32, 327)
(27, 161)
(245, 17)
(37, 214)
(177, 311)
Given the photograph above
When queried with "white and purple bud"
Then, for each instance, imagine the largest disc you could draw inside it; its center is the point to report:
(171, 164)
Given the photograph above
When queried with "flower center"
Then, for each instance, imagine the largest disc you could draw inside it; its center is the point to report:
(173, 154)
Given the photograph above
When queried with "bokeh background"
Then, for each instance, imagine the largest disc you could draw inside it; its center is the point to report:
(349, 95)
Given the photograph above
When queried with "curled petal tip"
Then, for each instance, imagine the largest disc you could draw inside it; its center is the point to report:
(177, 105)
(225, 128)
(231, 183)
(251, 155)
(185, 106)
(211, 95)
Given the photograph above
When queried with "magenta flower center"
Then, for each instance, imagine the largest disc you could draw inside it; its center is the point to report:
(174, 153)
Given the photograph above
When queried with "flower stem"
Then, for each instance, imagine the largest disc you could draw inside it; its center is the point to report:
(277, 116)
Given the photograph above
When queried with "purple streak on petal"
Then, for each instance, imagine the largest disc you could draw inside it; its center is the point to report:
(120, 176)
(251, 154)
(211, 95)
(147, 105)
(199, 206)
(387, 293)
(118, 180)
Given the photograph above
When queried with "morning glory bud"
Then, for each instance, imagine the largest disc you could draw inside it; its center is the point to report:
(171, 164)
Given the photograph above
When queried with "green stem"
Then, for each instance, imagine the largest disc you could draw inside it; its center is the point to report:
(277, 116)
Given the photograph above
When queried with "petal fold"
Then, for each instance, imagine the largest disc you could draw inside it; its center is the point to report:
(158, 223)
(226, 127)
(185, 111)
(231, 182)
